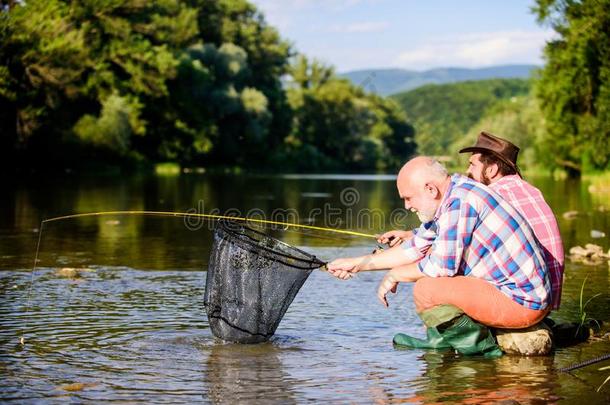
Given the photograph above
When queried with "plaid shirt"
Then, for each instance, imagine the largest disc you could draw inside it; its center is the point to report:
(476, 233)
(528, 200)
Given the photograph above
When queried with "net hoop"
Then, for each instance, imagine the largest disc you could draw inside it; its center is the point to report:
(255, 242)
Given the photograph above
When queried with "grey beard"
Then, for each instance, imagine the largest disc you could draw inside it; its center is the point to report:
(424, 218)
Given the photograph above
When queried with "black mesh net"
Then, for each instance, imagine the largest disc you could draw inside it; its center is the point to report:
(251, 281)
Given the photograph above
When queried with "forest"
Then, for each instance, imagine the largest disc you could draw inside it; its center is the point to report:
(87, 84)
(206, 83)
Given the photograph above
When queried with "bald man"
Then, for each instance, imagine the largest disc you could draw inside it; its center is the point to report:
(484, 258)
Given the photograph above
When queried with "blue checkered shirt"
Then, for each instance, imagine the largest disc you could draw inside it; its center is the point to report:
(476, 233)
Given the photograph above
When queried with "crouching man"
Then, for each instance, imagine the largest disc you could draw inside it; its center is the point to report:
(473, 258)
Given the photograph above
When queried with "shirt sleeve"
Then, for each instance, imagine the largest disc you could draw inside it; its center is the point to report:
(423, 237)
(455, 227)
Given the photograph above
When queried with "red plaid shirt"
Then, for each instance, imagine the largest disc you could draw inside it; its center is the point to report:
(528, 200)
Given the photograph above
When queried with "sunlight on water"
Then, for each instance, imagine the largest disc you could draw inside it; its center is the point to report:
(116, 306)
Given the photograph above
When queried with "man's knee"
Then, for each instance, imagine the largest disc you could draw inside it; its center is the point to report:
(422, 291)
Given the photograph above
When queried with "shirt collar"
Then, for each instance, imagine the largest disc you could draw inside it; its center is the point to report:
(506, 179)
(454, 180)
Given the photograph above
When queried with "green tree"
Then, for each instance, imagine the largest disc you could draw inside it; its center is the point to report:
(338, 125)
(441, 114)
(517, 119)
(574, 85)
(192, 81)
(67, 63)
(42, 57)
(239, 22)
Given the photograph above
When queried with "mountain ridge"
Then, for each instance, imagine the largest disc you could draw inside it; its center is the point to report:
(387, 81)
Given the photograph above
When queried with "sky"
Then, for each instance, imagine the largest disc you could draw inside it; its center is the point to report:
(410, 34)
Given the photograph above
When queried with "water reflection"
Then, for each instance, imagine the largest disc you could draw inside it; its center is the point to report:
(474, 380)
(141, 335)
(245, 373)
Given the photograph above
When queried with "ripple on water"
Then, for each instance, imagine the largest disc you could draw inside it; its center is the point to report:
(142, 336)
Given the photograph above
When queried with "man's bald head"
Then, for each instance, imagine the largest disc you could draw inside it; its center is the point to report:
(421, 170)
(421, 183)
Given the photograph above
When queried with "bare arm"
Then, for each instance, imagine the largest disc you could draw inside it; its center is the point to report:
(385, 259)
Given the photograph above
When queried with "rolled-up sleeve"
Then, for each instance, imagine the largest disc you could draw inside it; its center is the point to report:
(455, 228)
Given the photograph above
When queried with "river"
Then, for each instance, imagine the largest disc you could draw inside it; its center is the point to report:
(131, 326)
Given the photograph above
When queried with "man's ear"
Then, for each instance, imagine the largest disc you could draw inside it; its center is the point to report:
(492, 171)
(432, 190)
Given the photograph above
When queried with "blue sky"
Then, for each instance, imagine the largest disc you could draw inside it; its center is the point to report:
(410, 34)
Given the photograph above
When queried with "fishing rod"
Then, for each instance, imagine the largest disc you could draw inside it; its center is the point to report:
(176, 214)
(585, 363)
(207, 216)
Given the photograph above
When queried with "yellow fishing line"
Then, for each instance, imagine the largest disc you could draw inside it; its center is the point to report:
(210, 216)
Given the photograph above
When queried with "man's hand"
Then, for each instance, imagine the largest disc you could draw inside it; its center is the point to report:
(388, 284)
(394, 238)
(402, 274)
(345, 268)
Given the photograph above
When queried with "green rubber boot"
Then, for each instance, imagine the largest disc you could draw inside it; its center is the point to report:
(471, 338)
(448, 327)
(434, 319)
(434, 341)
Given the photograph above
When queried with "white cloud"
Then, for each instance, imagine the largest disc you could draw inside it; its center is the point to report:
(477, 49)
(361, 27)
(280, 13)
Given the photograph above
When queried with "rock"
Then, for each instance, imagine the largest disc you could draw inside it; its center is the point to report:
(76, 386)
(570, 214)
(594, 249)
(590, 255)
(71, 272)
(536, 340)
(578, 251)
(595, 234)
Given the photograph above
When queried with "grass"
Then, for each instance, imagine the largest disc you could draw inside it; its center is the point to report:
(167, 169)
(582, 314)
(607, 378)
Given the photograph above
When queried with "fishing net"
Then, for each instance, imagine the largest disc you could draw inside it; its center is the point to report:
(252, 279)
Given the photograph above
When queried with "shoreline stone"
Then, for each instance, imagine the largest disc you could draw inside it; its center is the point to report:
(536, 340)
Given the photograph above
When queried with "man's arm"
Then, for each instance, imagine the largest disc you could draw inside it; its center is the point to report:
(408, 252)
(386, 259)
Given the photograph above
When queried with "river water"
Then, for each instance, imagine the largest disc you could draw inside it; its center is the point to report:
(131, 326)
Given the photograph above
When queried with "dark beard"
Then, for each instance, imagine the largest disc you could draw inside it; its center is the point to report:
(485, 180)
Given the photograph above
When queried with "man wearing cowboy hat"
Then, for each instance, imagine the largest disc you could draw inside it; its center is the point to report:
(494, 163)
(475, 261)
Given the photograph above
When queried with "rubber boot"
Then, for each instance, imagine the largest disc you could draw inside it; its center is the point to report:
(449, 327)
(433, 341)
(434, 319)
(470, 338)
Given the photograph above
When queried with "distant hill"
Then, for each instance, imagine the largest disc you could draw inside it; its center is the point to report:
(391, 81)
(442, 114)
